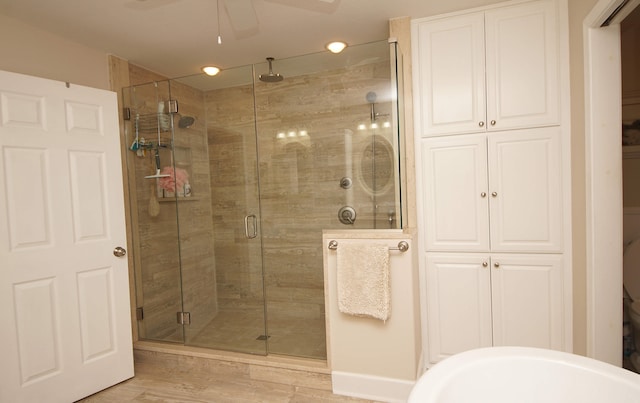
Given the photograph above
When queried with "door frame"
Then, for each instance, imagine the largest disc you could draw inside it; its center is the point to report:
(603, 155)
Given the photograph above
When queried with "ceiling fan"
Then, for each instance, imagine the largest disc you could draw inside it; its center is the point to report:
(243, 17)
(241, 13)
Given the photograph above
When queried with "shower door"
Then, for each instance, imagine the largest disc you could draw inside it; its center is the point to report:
(220, 241)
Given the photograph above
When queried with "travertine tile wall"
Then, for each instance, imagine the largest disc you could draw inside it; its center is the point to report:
(299, 189)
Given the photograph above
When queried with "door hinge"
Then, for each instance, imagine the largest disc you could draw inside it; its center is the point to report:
(139, 313)
(173, 106)
(184, 318)
(126, 113)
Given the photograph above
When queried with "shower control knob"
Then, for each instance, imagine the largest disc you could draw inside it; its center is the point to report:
(346, 183)
(119, 251)
(347, 215)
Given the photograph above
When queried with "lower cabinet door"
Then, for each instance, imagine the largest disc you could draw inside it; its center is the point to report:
(526, 300)
(458, 303)
(481, 299)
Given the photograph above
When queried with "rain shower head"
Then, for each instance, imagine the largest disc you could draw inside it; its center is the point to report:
(185, 122)
(270, 78)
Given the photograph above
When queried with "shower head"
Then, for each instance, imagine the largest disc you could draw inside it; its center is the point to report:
(270, 78)
(185, 122)
(371, 97)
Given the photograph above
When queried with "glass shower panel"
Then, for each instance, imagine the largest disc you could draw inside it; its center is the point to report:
(154, 229)
(325, 142)
(230, 235)
(222, 278)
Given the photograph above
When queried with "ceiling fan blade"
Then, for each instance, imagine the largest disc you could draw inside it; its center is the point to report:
(241, 15)
(322, 6)
(148, 4)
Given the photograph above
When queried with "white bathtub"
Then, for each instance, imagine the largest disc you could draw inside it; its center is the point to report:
(519, 374)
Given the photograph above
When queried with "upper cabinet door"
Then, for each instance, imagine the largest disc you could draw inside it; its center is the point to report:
(525, 185)
(450, 75)
(522, 66)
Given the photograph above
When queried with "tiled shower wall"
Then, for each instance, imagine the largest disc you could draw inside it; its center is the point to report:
(300, 192)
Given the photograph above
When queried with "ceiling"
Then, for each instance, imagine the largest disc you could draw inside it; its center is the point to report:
(177, 37)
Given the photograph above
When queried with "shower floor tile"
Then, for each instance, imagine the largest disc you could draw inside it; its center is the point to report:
(243, 331)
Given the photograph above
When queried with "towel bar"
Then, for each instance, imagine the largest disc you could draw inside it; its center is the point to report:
(403, 246)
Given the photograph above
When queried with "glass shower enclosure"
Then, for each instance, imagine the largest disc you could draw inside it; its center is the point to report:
(232, 181)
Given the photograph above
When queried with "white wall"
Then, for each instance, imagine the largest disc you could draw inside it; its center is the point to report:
(29, 50)
(369, 358)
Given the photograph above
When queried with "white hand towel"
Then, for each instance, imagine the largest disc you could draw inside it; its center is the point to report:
(363, 280)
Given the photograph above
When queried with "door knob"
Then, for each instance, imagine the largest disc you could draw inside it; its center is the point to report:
(493, 123)
(483, 194)
(494, 194)
(119, 251)
(481, 124)
(496, 265)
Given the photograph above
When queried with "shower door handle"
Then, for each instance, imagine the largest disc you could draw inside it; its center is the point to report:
(254, 219)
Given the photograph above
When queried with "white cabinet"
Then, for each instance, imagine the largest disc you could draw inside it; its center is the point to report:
(493, 170)
(497, 192)
(485, 71)
(485, 299)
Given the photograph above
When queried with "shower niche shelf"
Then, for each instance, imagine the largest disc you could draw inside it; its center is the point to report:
(180, 198)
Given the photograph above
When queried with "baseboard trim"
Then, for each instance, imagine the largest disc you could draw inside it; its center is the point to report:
(371, 387)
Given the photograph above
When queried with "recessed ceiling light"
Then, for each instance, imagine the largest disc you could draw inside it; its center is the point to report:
(210, 70)
(336, 47)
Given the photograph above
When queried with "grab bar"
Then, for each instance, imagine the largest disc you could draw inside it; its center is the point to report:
(403, 246)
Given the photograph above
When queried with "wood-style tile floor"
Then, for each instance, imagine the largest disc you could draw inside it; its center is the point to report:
(156, 383)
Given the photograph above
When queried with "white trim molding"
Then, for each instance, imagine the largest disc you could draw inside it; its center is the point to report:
(371, 387)
(603, 119)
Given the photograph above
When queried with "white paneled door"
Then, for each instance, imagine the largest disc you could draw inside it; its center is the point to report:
(64, 294)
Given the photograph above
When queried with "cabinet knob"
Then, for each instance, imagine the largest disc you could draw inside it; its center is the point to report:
(483, 194)
(485, 264)
(493, 123)
(481, 124)
(496, 265)
(494, 194)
